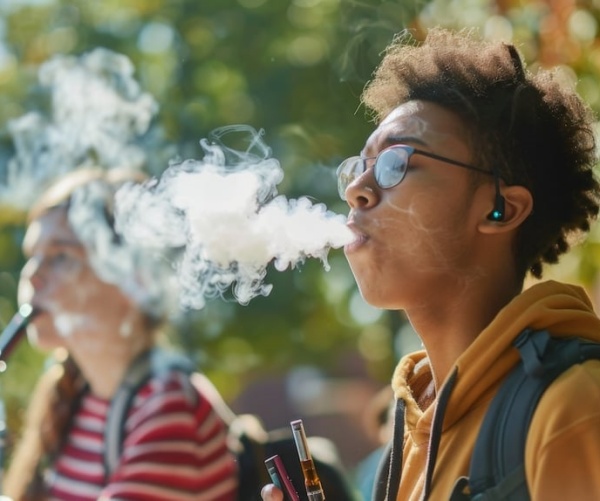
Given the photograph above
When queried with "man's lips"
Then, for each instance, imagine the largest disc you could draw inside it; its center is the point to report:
(360, 237)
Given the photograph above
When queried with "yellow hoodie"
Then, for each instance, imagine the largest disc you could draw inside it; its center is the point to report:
(562, 456)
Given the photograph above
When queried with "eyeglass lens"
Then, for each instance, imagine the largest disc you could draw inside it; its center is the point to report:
(389, 169)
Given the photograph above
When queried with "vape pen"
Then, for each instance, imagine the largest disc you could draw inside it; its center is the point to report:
(13, 332)
(280, 478)
(314, 490)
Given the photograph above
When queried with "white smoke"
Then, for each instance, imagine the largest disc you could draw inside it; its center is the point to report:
(143, 273)
(97, 116)
(97, 112)
(226, 218)
(192, 233)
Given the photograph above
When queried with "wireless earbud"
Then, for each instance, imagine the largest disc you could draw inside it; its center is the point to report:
(497, 213)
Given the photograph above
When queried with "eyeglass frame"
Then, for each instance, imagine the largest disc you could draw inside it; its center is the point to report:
(411, 151)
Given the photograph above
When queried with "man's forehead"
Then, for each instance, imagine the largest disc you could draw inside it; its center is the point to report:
(404, 123)
(417, 119)
(404, 110)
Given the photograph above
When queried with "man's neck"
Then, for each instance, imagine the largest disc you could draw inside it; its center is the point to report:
(448, 330)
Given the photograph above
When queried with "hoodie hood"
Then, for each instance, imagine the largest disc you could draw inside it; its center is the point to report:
(562, 309)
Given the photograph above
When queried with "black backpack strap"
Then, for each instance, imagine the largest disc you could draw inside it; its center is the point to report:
(143, 367)
(497, 470)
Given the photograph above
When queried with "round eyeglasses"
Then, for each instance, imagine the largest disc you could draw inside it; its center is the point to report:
(389, 168)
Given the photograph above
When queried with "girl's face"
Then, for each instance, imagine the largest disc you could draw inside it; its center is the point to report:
(414, 239)
(73, 304)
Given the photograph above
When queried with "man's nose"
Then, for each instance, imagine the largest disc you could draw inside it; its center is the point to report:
(363, 192)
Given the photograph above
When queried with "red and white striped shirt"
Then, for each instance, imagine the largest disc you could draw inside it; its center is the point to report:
(175, 448)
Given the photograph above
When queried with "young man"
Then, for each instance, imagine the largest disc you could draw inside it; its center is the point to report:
(477, 174)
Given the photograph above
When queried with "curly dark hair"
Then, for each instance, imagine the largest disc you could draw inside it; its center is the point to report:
(528, 129)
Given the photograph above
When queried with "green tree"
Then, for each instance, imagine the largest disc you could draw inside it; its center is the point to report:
(295, 69)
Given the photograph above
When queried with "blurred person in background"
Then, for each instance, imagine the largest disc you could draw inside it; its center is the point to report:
(174, 444)
(379, 419)
(477, 174)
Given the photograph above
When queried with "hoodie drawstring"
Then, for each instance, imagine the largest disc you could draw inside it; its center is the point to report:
(436, 431)
(389, 470)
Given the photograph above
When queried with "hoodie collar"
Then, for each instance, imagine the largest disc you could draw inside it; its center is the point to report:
(562, 309)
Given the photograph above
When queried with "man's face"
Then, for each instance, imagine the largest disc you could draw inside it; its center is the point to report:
(415, 239)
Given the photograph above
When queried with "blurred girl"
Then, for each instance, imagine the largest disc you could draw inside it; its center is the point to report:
(174, 443)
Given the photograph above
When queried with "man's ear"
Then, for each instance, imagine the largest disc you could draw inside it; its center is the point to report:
(518, 204)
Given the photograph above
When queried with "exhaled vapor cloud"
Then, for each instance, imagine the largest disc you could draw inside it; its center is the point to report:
(226, 218)
(97, 112)
(200, 228)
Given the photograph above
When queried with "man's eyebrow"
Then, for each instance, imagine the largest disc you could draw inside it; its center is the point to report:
(392, 140)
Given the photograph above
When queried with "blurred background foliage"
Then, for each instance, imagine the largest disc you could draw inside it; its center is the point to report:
(294, 68)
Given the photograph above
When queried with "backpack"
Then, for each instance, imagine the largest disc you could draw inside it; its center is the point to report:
(497, 467)
(251, 443)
